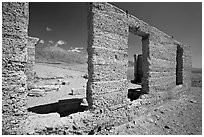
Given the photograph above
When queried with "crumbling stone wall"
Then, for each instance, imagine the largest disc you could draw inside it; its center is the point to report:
(159, 59)
(108, 30)
(15, 18)
(107, 50)
(30, 72)
(107, 47)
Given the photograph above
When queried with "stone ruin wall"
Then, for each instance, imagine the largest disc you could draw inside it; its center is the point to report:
(165, 61)
(30, 72)
(108, 31)
(15, 17)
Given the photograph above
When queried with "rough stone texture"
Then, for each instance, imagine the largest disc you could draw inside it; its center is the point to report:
(30, 72)
(14, 58)
(165, 63)
(107, 49)
(177, 117)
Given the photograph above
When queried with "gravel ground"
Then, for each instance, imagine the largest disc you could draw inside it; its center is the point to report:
(177, 117)
(48, 75)
(180, 116)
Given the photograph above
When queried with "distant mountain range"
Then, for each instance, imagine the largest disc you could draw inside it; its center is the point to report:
(52, 53)
(58, 54)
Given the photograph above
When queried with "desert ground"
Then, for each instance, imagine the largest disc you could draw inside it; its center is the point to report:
(60, 81)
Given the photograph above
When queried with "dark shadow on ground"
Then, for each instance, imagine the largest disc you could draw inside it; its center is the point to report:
(45, 109)
(134, 94)
(63, 107)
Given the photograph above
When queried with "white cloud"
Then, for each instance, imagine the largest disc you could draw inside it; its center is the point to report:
(60, 42)
(50, 41)
(42, 41)
(48, 29)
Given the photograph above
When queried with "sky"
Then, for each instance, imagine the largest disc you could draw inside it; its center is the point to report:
(66, 23)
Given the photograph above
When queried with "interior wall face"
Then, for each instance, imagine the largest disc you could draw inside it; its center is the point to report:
(107, 50)
(162, 64)
(15, 18)
(187, 65)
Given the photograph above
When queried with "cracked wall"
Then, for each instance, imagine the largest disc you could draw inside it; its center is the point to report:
(108, 30)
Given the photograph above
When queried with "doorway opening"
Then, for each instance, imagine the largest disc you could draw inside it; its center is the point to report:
(179, 65)
(135, 71)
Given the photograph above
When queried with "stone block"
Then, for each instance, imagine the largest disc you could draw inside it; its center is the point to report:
(155, 74)
(102, 87)
(160, 80)
(13, 17)
(108, 40)
(165, 52)
(16, 54)
(133, 24)
(106, 56)
(162, 39)
(187, 63)
(110, 24)
(14, 29)
(109, 100)
(162, 87)
(31, 51)
(160, 63)
(103, 6)
(109, 72)
(10, 65)
(10, 43)
(111, 11)
(19, 8)
(31, 58)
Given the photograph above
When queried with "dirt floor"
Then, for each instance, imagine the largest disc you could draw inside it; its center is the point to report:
(55, 76)
(179, 116)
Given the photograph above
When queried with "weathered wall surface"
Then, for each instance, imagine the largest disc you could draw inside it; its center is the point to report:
(30, 72)
(108, 30)
(107, 62)
(163, 59)
(15, 18)
(184, 65)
